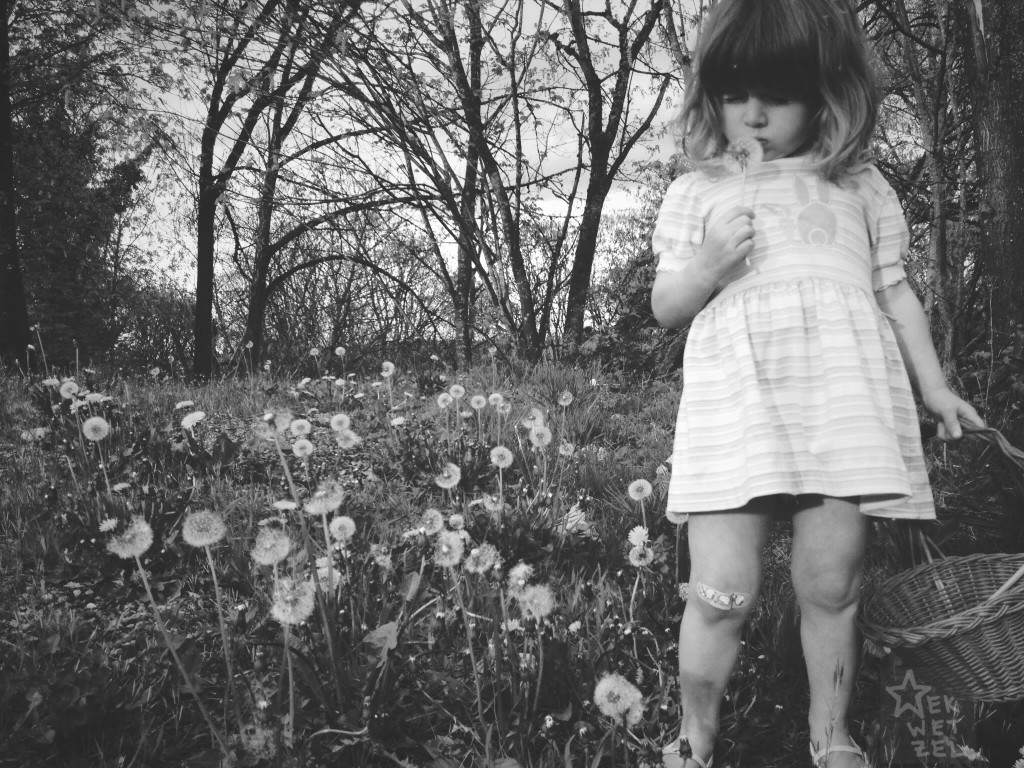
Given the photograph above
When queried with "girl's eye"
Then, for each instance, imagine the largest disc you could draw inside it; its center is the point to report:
(776, 101)
(734, 98)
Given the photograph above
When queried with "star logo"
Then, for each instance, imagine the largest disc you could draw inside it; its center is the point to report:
(908, 694)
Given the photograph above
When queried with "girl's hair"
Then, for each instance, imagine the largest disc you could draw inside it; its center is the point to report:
(812, 51)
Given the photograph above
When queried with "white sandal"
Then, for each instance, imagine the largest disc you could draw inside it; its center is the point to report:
(680, 750)
(817, 757)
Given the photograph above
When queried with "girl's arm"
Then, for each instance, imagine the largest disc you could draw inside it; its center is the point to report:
(677, 297)
(913, 334)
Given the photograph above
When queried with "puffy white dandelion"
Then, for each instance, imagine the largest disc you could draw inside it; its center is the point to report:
(398, 421)
(618, 699)
(68, 389)
(293, 600)
(566, 449)
(381, 556)
(574, 627)
(342, 529)
(534, 419)
(95, 428)
(340, 422)
(483, 559)
(478, 402)
(387, 369)
(328, 497)
(314, 352)
(641, 556)
(347, 439)
(639, 490)
(565, 399)
(638, 536)
(518, 577)
(540, 436)
(271, 547)
(536, 601)
(456, 521)
(449, 477)
(457, 391)
(448, 549)
(501, 457)
(493, 503)
(190, 420)
(203, 529)
(134, 541)
(50, 382)
(444, 400)
(108, 525)
(300, 427)
(432, 521)
(339, 351)
(94, 397)
(302, 448)
(496, 399)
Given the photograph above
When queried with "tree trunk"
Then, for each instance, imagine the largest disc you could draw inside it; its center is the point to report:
(14, 330)
(997, 70)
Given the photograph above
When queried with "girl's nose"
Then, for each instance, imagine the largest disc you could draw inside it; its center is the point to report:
(755, 114)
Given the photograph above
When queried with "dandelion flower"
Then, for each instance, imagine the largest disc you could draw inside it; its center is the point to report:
(293, 600)
(483, 559)
(456, 521)
(619, 699)
(504, 409)
(574, 627)
(119, 487)
(51, 382)
(93, 398)
(457, 391)
(347, 439)
(300, 427)
(540, 436)
(495, 399)
(154, 371)
(342, 529)
(398, 421)
(183, 404)
(536, 602)
(432, 522)
(535, 419)
(639, 490)
(493, 503)
(387, 369)
(203, 529)
(340, 422)
(565, 399)
(501, 457)
(134, 541)
(638, 536)
(95, 428)
(478, 402)
(191, 419)
(566, 449)
(641, 556)
(449, 477)
(518, 576)
(108, 525)
(381, 556)
(271, 547)
(302, 448)
(285, 505)
(449, 549)
(314, 352)
(339, 351)
(743, 156)
(68, 389)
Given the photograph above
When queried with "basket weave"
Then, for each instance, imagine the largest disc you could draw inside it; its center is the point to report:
(941, 619)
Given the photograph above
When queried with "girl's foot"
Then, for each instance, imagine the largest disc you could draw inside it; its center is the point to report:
(839, 756)
(679, 754)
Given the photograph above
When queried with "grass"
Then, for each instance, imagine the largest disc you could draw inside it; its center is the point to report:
(399, 646)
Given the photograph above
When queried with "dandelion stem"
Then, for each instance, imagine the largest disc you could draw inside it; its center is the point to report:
(469, 644)
(232, 690)
(177, 659)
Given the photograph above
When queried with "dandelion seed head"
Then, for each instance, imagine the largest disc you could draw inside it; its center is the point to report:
(639, 490)
(314, 352)
(501, 457)
(339, 351)
(618, 699)
(641, 556)
(340, 422)
(457, 391)
(271, 547)
(347, 439)
(203, 529)
(444, 400)
(342, 529)
(566, 449)
(50, 382)
(68, 389)
(456, 521)
(95, 428)
(387, 369)
(565, 399)
(432, 521)
(540, 436)
(449, 477)
(495, 399)
(302, 448)
(293, 600)
(448, 549)
(574, 627)
(518, 577)
(300, 427)
(190, 420)
(743, 156)
(478, 402)
(134, 541)
(493, 503)
(483, 559)
(536, 601)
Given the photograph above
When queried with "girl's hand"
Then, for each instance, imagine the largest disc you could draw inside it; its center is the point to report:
(949, 409)
(728, 240)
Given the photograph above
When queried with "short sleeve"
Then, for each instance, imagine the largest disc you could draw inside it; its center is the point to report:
(679, 230)
(890, 241)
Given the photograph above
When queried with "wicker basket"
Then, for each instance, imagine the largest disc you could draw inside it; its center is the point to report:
(957, 621)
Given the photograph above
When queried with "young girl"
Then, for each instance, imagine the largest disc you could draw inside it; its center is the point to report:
(787, 263)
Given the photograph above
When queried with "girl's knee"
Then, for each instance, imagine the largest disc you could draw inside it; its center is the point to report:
(830, 590)
(718, 602)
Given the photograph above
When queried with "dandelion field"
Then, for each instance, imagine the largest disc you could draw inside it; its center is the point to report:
(381, 568)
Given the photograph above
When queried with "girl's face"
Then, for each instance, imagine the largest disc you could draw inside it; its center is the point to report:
(783, 127)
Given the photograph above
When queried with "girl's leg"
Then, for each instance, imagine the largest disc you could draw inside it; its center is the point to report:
(829, 541)
(725, 574)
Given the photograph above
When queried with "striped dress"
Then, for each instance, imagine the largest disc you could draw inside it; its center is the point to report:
(793, 382)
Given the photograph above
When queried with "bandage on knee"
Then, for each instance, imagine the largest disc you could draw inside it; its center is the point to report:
(723, 601)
